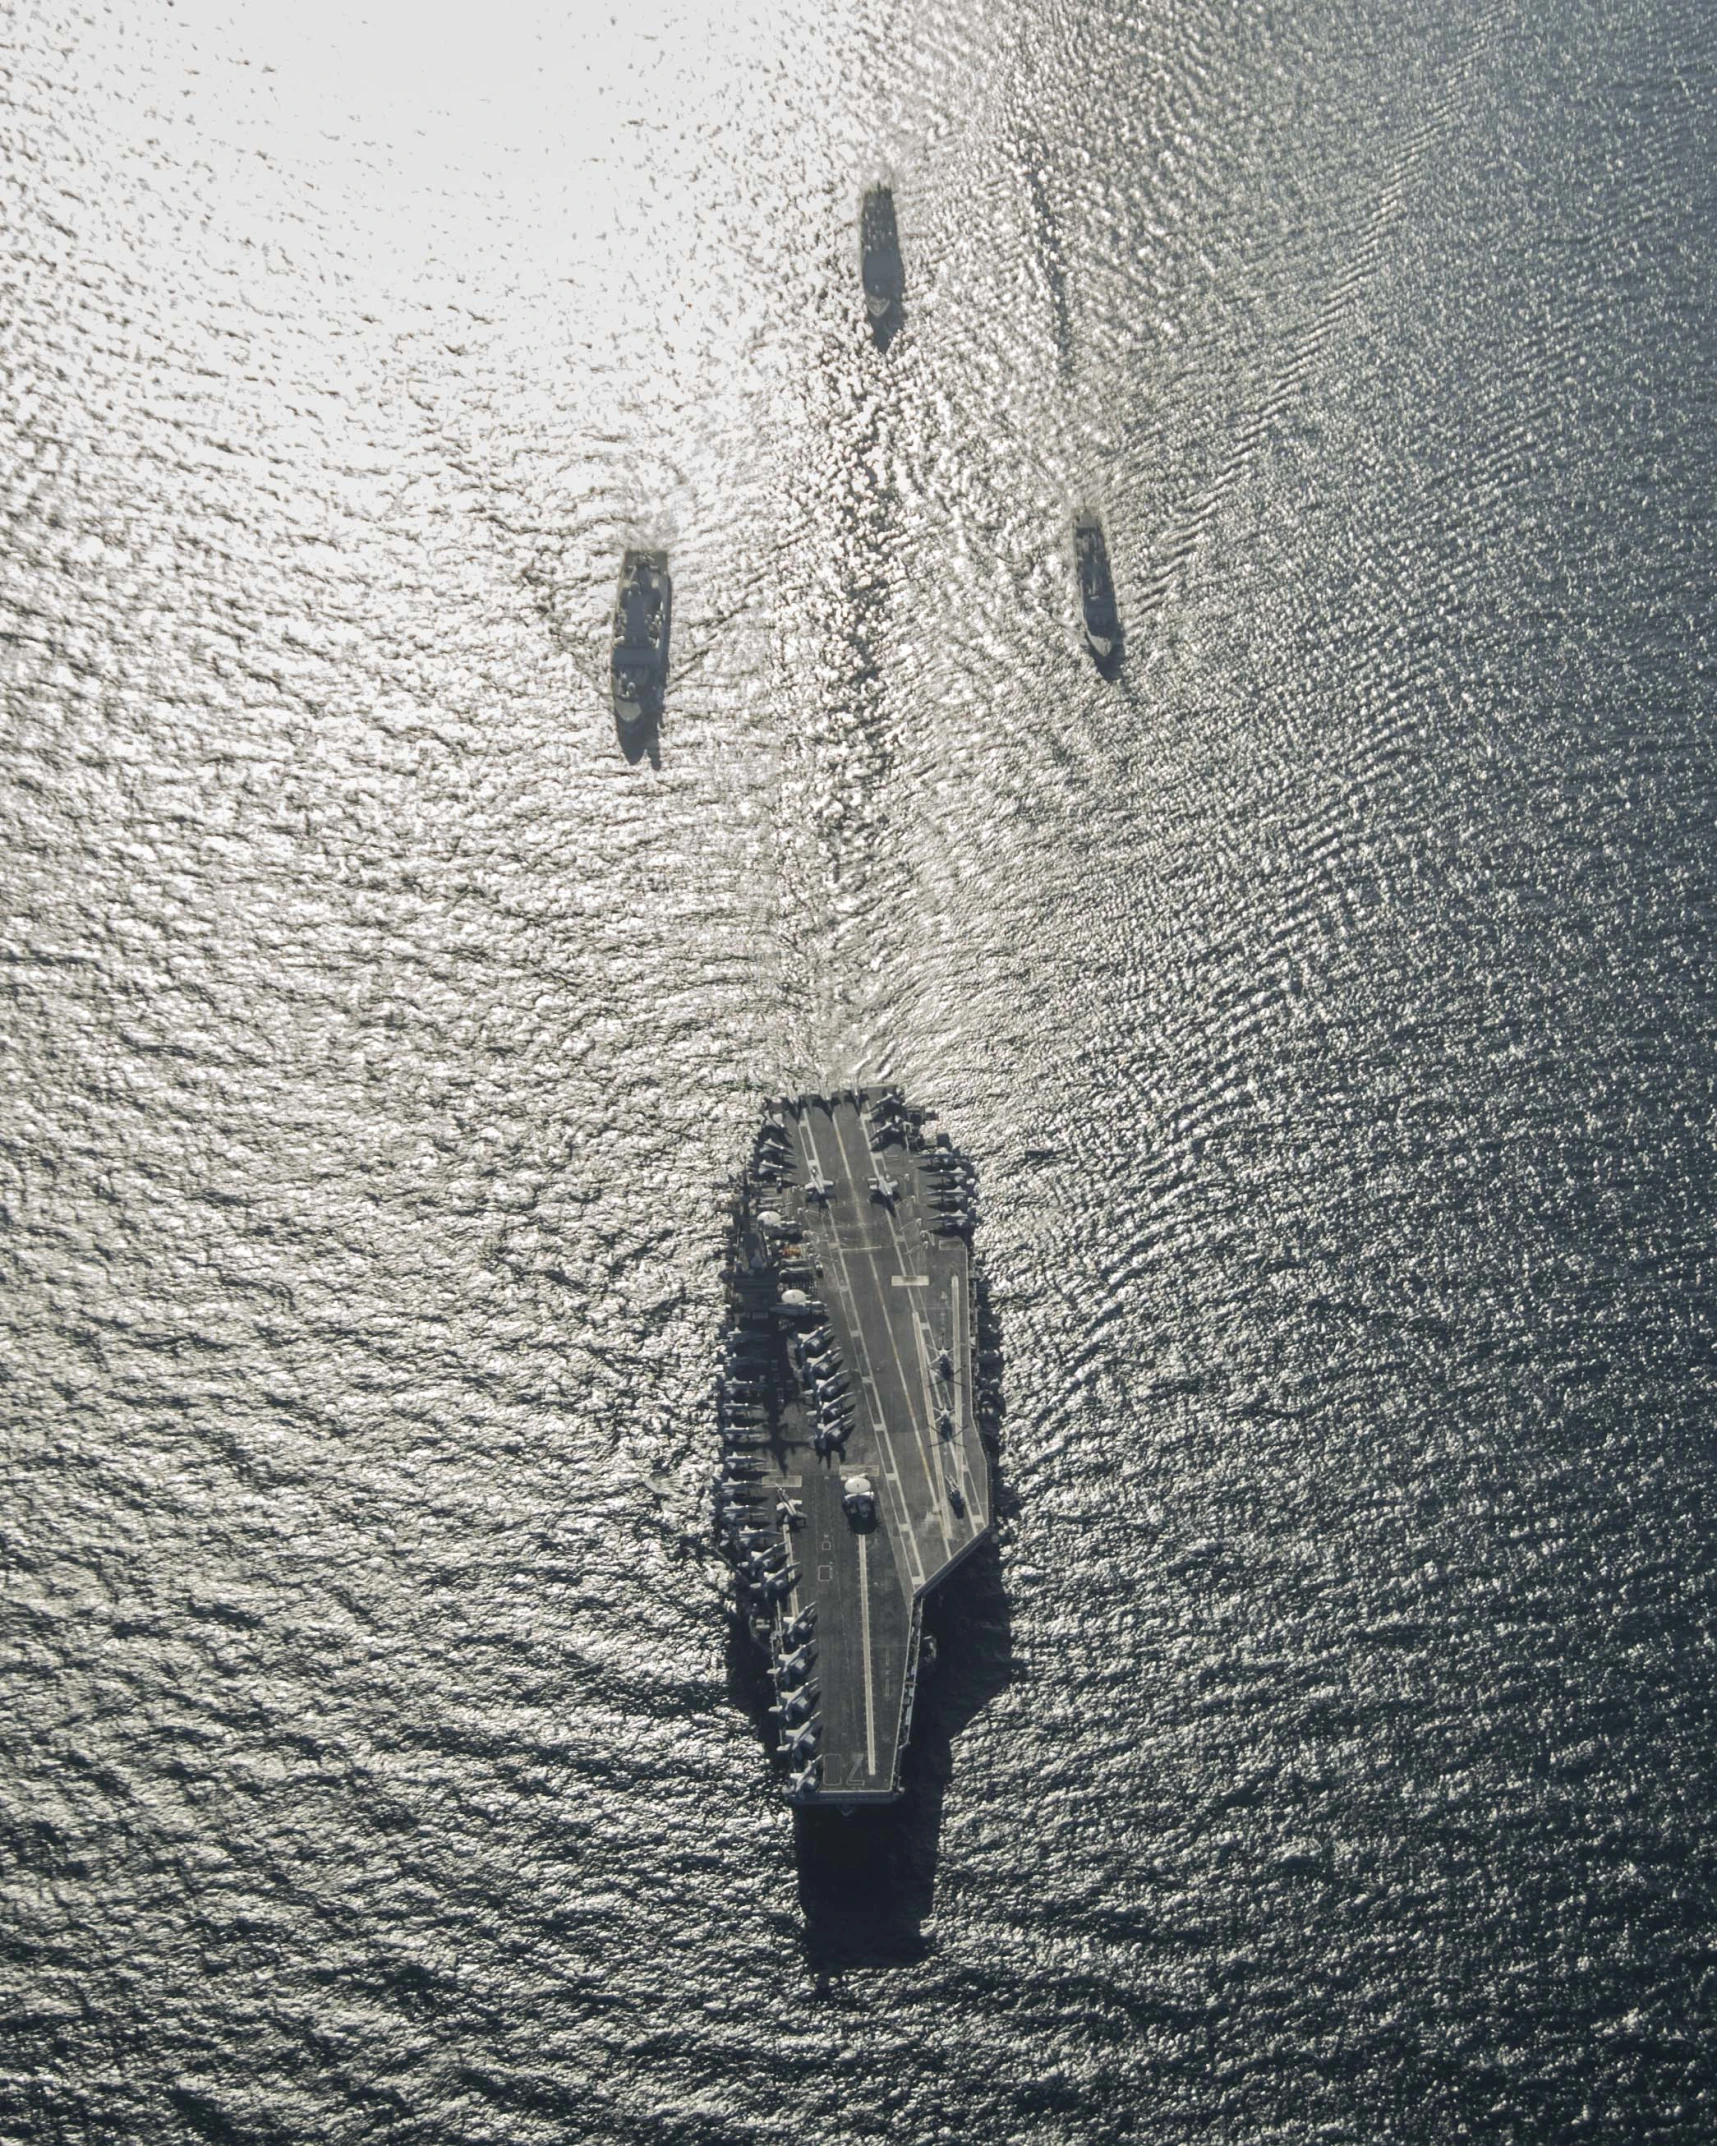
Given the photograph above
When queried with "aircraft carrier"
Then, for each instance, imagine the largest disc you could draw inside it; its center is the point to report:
(855, 1473)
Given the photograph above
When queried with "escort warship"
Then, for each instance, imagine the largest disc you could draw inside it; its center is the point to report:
(1096, 593)
(855, 1470)
(643, 612)
(880, 266)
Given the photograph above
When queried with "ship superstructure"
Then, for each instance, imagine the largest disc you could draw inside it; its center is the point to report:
(855, 1473)
(881, 269)
(643, 615)
(1097, 611)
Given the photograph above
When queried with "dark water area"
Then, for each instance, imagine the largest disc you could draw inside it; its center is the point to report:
(1327, 1752)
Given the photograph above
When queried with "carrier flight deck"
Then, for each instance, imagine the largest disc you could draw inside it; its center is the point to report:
(854, 1471)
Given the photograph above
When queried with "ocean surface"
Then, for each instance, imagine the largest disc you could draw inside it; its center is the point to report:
(1329, 1752)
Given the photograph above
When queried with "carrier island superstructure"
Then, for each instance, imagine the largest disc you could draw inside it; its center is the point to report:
(855, 1473)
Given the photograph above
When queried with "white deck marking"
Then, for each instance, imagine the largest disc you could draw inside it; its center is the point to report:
(935, 1473)
(867, 1379)
(826, 1182)
(890, 1473)
(965, 1423)
(864, 1628)
(921, 1432)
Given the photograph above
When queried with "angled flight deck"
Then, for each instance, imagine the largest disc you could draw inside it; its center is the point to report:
(855, 1475)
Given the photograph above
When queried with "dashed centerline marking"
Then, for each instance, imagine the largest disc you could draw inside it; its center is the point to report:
(864, 1628)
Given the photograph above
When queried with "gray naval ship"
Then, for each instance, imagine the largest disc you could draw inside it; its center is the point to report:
(880, 266)
(855, 1471)
(643, 612)
(1096, 593)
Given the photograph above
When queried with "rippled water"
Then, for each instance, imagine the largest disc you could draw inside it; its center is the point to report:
(1328, 1005)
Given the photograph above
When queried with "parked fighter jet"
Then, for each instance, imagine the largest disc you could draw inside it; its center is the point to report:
(798, 1706)
(794, 1668)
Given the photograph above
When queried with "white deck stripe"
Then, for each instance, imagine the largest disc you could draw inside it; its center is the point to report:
(864, 1628)
(804, 1122)
(921, 1432)
(879, 1418)
(905, 1530)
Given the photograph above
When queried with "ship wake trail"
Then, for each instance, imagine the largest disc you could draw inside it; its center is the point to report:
(838, 757)
(847, 724)
(1303, 358)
